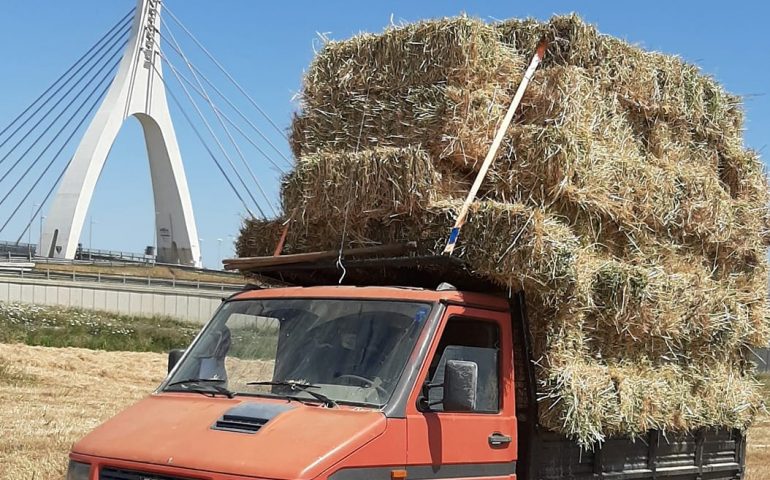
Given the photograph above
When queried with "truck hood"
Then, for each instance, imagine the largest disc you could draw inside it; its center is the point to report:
(296, 441)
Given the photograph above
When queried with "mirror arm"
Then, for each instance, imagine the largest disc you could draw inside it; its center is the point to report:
(423, 401)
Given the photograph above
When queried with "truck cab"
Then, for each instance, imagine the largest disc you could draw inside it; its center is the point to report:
(374, 383)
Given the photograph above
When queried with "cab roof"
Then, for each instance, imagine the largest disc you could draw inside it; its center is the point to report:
(379, 293)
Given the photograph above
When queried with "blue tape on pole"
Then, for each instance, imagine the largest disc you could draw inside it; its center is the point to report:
(453, 235)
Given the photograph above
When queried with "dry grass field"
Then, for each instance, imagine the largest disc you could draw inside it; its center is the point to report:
(50, 397)
(758, 452)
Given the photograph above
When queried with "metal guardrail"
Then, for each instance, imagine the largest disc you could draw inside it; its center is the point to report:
(11, 250)
(148, 281)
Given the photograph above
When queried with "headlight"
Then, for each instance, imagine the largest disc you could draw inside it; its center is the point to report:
(78, 471)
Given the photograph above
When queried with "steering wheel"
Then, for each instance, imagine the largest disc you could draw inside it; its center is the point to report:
(369, 383)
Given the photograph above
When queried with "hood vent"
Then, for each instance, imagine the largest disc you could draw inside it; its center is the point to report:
(249, 417)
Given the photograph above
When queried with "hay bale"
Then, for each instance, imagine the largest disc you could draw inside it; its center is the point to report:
(654, 85)
(455, 51)
(379, 91)
(592, 400)
(258, 237)
(679, 312)
(622, 201)
(388, 181)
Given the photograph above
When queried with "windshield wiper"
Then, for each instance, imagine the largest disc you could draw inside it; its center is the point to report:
(209, 382)
(303, 387)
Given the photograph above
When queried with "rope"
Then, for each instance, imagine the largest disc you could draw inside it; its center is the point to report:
(224, 126)
(227, 74)
(340, 264)
(233, 106)
(203, 142)
(120, 24)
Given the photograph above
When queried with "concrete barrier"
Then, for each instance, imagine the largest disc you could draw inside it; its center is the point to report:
(193, 305)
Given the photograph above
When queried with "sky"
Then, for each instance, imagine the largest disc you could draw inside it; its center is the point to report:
(267, 46)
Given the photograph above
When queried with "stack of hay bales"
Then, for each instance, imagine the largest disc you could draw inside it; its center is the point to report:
(622, 201)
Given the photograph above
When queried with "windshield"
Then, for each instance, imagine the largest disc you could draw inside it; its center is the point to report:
(351, 351)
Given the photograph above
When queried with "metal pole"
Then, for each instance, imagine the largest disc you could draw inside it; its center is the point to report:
(29, 230)
(40, 240)
(155, 245)
(219, 252)
(90, 238)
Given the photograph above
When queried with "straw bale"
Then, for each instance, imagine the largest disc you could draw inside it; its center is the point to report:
(387, 181)
(678, 311)
(379, 90)
(592, 400)
(258, 237)
(655, 85)
(622, 201)
(519, 246)
(453, 51)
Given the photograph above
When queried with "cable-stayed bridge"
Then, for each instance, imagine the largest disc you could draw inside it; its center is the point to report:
(53, 152)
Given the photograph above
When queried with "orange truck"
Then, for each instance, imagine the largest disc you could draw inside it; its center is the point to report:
(431, 380)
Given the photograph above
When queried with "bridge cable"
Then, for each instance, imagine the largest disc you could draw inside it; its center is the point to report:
(119, 34)
(120, 24)
(223, 70)
(106, 85)
(117, 48)
(203, 142)
(224, 127)
(53, 122)
(226, 117)
(232, 105)
(219, 144)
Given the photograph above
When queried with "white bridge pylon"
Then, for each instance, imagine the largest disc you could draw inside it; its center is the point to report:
(138, 91)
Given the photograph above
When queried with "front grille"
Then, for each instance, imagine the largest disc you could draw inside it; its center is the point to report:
(110, 473)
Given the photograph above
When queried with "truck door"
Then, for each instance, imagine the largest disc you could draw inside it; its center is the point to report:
(480, 443)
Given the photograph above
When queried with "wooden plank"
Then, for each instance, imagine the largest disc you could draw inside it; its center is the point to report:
(501, 131)
(252, 263)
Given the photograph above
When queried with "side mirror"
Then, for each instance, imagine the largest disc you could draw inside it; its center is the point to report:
(460, 381)
(173, 358)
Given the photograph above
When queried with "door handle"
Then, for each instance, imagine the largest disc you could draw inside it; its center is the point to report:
(497, 439)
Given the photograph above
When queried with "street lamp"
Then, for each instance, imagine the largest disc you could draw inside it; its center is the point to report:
(219, 253)
(232, 243)
(155, 243)
(29, 230)
(200, 249)
(40, 242)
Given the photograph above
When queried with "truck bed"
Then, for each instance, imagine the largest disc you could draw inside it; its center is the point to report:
(704, 455)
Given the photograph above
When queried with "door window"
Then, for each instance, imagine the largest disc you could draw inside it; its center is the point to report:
(474, 341)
